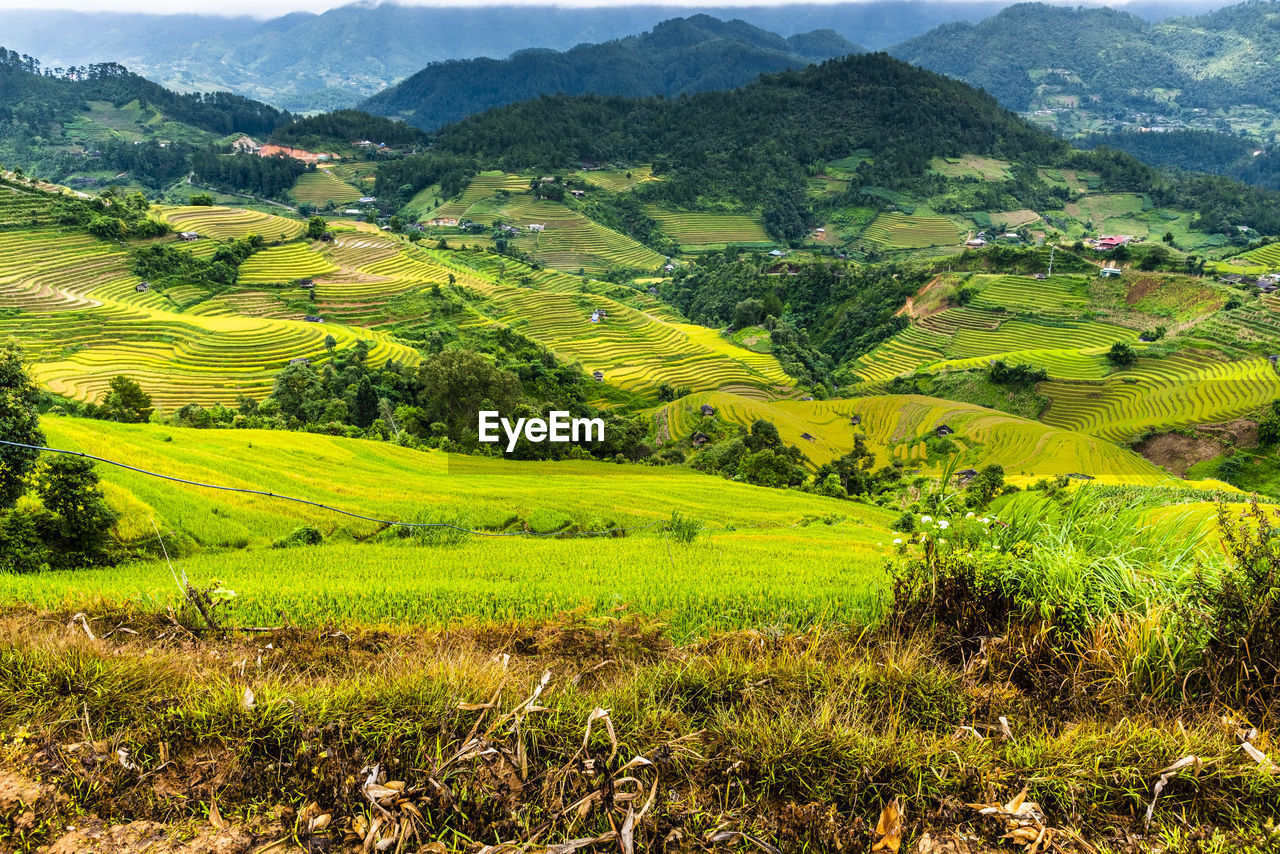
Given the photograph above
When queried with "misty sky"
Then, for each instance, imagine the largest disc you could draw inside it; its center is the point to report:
(273, 8)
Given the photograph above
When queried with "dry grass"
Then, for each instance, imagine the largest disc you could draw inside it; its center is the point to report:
(594, 733)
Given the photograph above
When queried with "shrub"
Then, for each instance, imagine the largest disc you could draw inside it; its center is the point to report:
(305, 535)
(682, 528)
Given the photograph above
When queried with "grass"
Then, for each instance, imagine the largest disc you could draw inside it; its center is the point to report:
(397, 483)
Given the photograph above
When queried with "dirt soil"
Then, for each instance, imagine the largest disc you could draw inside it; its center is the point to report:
(1176, 453)
(1243, 432)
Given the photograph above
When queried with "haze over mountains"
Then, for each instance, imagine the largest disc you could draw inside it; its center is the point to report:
(306, 61)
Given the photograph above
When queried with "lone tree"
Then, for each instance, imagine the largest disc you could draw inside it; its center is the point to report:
(316, 227)
(127, 402)
(1121, 354)
(19, 422)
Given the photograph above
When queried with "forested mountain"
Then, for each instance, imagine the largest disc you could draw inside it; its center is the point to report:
(1198, 92)
(1037, 56)
(754, 148)
(679, 56)
(306, 61)
(55, 120)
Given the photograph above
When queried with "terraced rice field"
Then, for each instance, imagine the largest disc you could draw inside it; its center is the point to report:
(285, 264)
(900, 231)
(322, 188)
(82, 322)
(1017, 335)
(970, 336)
(1056, 296)
(484, 186)
(178, 358)
(635, 350)
(1180, 391)
(1265, 256)
(229, 223)
(693, 230)
(896, 425)
(571, 241)
(971, 166)
(620, 180)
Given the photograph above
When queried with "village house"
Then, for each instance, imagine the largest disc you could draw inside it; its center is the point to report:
(1106, 243)
(188, 236)
(1110, 272)
(537, 226)
(444, 221)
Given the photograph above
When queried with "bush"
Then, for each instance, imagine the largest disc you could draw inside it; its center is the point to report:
(683, 529)
(1238, 614)
(306, 535)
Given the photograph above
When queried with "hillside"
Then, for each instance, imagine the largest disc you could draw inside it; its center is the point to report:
(1215, 73)
(679, 56)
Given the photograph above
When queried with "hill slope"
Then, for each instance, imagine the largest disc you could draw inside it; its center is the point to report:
(679, 56)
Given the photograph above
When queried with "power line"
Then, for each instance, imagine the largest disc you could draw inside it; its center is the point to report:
(332, 509)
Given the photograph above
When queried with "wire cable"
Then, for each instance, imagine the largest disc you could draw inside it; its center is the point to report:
(386, 522)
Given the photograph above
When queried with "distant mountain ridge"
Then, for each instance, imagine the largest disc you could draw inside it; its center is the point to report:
(677, 57)
(305, 61)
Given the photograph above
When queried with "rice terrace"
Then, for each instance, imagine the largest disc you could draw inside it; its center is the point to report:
(934, 505)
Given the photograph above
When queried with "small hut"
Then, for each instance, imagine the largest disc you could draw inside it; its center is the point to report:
(943, 430)
(707, 410)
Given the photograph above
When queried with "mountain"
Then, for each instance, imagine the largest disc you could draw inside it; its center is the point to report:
(677, 57)
(106, 119)
(1199, 92)
(753, 147)
(307, 62)
(1074, 66)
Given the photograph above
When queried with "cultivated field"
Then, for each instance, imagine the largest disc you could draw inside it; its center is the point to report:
(900, 231)
(322, 187)
(767, 555)
(221, 223)
(896, 427)
(696, 230)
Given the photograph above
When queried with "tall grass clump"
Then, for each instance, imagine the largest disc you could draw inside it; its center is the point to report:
(1079, 590)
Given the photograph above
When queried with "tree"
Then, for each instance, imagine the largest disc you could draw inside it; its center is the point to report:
(201, 200)
(985, 485)
(1121, 354)
(19, 422)
(457, 384)
(80, 531)
(366, 403)
(749, 312)
(316, 228)
(127, 402)
(298, 391)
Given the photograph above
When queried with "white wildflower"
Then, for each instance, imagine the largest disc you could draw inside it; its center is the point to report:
(926, 519)
(898, 541)
(943, 523)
